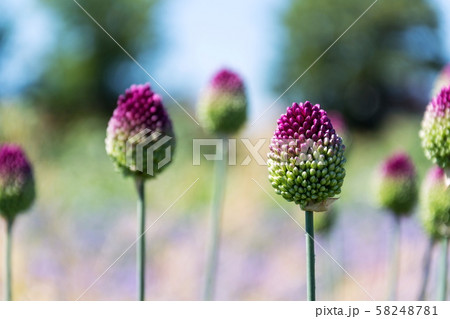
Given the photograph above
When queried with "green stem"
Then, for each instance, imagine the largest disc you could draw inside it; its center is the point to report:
(443, 277)
(214, 240)
(140, 246)
(8, 293)
(395, 260)
(426, 263)
(310, 257)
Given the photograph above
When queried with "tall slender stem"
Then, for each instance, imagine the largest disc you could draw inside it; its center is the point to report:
(395, 260)
(140, 247)
(426, 269)
(310, 257)
(8, 291)
(214, 240)
(443, 276)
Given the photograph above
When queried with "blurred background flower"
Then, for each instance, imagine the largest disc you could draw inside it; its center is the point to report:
(435, 211)
(222, 107)
(59, 78)
(435, 133)
(397, 186)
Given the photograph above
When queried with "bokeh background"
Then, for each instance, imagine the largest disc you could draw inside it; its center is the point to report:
(60, 76)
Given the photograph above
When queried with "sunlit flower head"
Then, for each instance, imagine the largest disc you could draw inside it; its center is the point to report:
(306, 158)
(435, 132)
(139, 134)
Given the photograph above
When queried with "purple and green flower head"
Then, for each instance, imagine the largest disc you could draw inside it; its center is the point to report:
(17, 189)
(397, 186)
(435, 200)
(139, 135)
(306, 158)
(222, 108)
(435, 132)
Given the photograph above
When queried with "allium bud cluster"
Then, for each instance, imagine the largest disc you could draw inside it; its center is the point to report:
(306, 158)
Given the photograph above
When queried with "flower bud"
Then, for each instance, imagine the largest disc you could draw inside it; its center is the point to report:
(397, 188)
(435, 132)
(318, 157)
(17, 190)
(139, 134)
(223, 106)
(435, 200)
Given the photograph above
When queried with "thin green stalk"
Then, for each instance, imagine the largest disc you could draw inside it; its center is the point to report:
(310, 257)
(395, 260)
(214, 240)
(140, 247)
(8, 292)
(443, 276)
(426, 269)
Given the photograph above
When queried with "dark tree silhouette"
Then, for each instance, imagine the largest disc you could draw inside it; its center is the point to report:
(385, 61)
(87, 69)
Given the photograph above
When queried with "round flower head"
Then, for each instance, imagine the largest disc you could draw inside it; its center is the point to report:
(223, 106)
(139, 138)
(435, 133)
(397, 188)
(306, 158)
(17, 190)
(435, 200)
(442, 80)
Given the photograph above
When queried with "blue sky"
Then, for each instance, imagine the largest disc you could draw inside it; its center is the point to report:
(200, 35)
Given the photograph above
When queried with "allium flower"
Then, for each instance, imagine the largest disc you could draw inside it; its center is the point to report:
(435, 133)
(442, 80)
(397, 188)
(223, 106)
(435, 198)
(140, 119)
(306, 158)
(17, 190)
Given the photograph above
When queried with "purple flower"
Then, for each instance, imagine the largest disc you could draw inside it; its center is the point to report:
(139, 124)
(397, 188)
(306, 159)
(436, 175)
(435, 132)
(223, 106)
(17, 190)
(398, 165)
(227, 81)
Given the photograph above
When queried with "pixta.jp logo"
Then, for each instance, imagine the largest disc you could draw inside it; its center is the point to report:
(147, 149)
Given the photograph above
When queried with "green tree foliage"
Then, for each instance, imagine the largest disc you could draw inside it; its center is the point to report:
(385, 61)
(87, 69)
